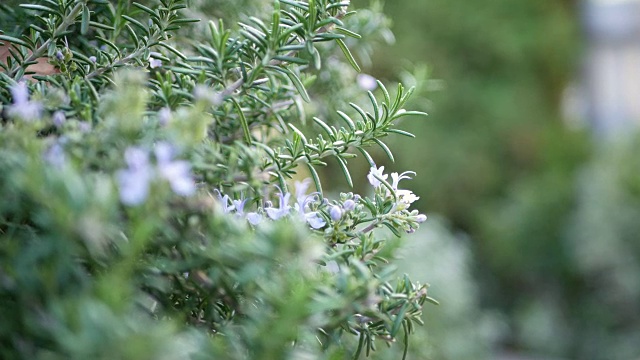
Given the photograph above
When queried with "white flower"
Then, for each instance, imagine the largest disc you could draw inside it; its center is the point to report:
(395, 178)
(374, 174)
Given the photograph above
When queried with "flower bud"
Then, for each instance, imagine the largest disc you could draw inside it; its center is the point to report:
(335, 212)
(349, 205)
(421, 218)
(59, 119)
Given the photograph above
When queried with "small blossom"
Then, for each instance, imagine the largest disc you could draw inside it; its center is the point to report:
(59, 119)
(22, 107)
(366, 82)
(55, 155)
(254, 218)
(421, 218)
(202, 92)
(333, 267)
(314, 220)
(407, 196)
(374, 174)
(302, 199)
(239, 206)
(335, 212)
(178, 172)
(84, 127)
(164, 116)
(133, 181)
(225, 201)
(349, 205)
(136, 158)
(155, 63)
(164, 152)
(93, 59)
(59, 55)
(395, 178)
(283, 210)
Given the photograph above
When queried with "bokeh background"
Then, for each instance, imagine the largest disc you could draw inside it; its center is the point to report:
(529, 167)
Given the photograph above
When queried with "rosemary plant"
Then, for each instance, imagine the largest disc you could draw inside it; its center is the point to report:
(154, 195)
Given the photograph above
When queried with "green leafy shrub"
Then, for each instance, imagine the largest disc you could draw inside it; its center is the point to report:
(142, 154)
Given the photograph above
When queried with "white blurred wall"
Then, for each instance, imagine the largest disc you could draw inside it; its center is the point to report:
(612, 65)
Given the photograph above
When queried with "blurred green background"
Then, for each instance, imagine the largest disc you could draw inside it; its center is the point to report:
(534, 252)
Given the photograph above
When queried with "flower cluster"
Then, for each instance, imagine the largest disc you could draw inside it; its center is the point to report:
(134, 181)
(404, 198)
(303, 208)
(24, 108)
(322, 214)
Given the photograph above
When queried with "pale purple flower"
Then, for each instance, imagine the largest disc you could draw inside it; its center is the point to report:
(155, 63)
(374, 174)
(22, 107)
(55, 155)
(225, 201)
(254, 218)
(133, 181)
(421, 218)
(314, 220)
(84, 127)
(349, 205)
(93, 59)
(59, 119)
(239, 206)
(366, 82)
(164, 116)
(137, 159)
(335, 212)
(59, 55)
(333, 267)
(204, 93)
(302, 199)
(282, 210)
(177, 172)
(164, 152)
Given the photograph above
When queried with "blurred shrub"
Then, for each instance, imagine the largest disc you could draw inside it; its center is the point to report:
(496, 159)
(604, 246)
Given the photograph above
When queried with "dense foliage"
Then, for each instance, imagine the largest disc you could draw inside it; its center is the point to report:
(149, 209)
